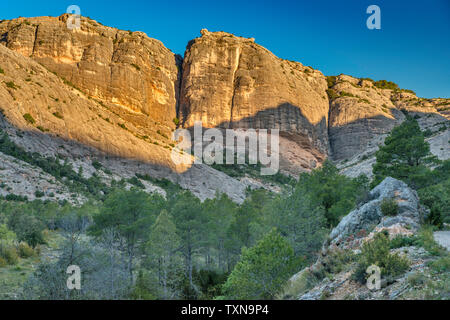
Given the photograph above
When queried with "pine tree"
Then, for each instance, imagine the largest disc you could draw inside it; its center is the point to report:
(262, 270)
(404, 155)
(162, 249)
(191, 227)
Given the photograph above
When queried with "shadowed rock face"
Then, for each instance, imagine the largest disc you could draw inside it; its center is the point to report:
(231, 82)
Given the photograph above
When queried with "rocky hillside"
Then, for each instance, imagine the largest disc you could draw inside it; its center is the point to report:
(332, 276)
(102, 94)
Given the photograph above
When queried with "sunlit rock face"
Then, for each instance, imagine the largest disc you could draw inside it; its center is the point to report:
(232, 82)
(125, 68)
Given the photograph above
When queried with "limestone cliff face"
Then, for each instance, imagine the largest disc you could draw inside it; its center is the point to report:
(119, 92)
(127, 69)
(361, 114)
(44, 114)
(231, 82)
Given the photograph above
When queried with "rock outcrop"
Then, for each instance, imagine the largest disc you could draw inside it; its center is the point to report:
(331, 276)
(232, 82)
(357, 224)
(125, 69)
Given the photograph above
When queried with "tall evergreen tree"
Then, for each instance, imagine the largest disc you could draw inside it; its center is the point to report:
(130, 214)
(262, 270)
(404, 155)
(162, 247)
(191, 225)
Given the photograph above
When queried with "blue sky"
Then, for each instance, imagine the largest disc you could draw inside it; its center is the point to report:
(412, 48)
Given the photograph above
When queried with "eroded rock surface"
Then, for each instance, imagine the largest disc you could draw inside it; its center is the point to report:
(232, 82)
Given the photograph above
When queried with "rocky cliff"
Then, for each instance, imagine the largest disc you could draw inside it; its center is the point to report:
(123, 93)
(232, 82)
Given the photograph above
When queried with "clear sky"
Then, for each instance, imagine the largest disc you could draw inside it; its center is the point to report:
(412, 48)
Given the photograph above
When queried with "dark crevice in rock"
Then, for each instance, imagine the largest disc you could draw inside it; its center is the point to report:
(35, 40)
(234, 86)
(178, 84)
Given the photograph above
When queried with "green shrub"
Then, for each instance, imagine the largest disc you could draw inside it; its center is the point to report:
(176, 121)
(389, 207)
(441, 265)
(376, 252)
(331, 81)
(25, 251)
(39, 194)
(332, 94)
(426, 240)
(58, 115)
(42, 129)
(2, 71)
(403, 241)
(383, 84)
(135, 181)
(11, 85)
(96, 164)
(28, 118)
(336, 261)
(417, 280)
(2, 262)
(347, 94)
(9, 253)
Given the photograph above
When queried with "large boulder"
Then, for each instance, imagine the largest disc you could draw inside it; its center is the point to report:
(368, 217)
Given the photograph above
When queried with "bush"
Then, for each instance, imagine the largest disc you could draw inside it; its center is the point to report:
(97, 165)
(417, 280)
(441, 265)
(376, 252)
(389, 207)
(403, 241)
(2, 71)
(336, 261)
(332, 94)
(58, 115)
(39, 194)
(331, 81)
(9, 254)
(11, 85)
(176, 121)
(383, 84)
(263, 269)
(298, 285)
(136, 182)
(25, 251)
(2, 262)
(426, 240)
(28, 118)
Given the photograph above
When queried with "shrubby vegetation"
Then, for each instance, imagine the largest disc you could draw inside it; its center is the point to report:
(406, 156)
(376, 252)
(178, 247)
(130, 244)
(262, 270)
(57, 167)
(389, 207)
